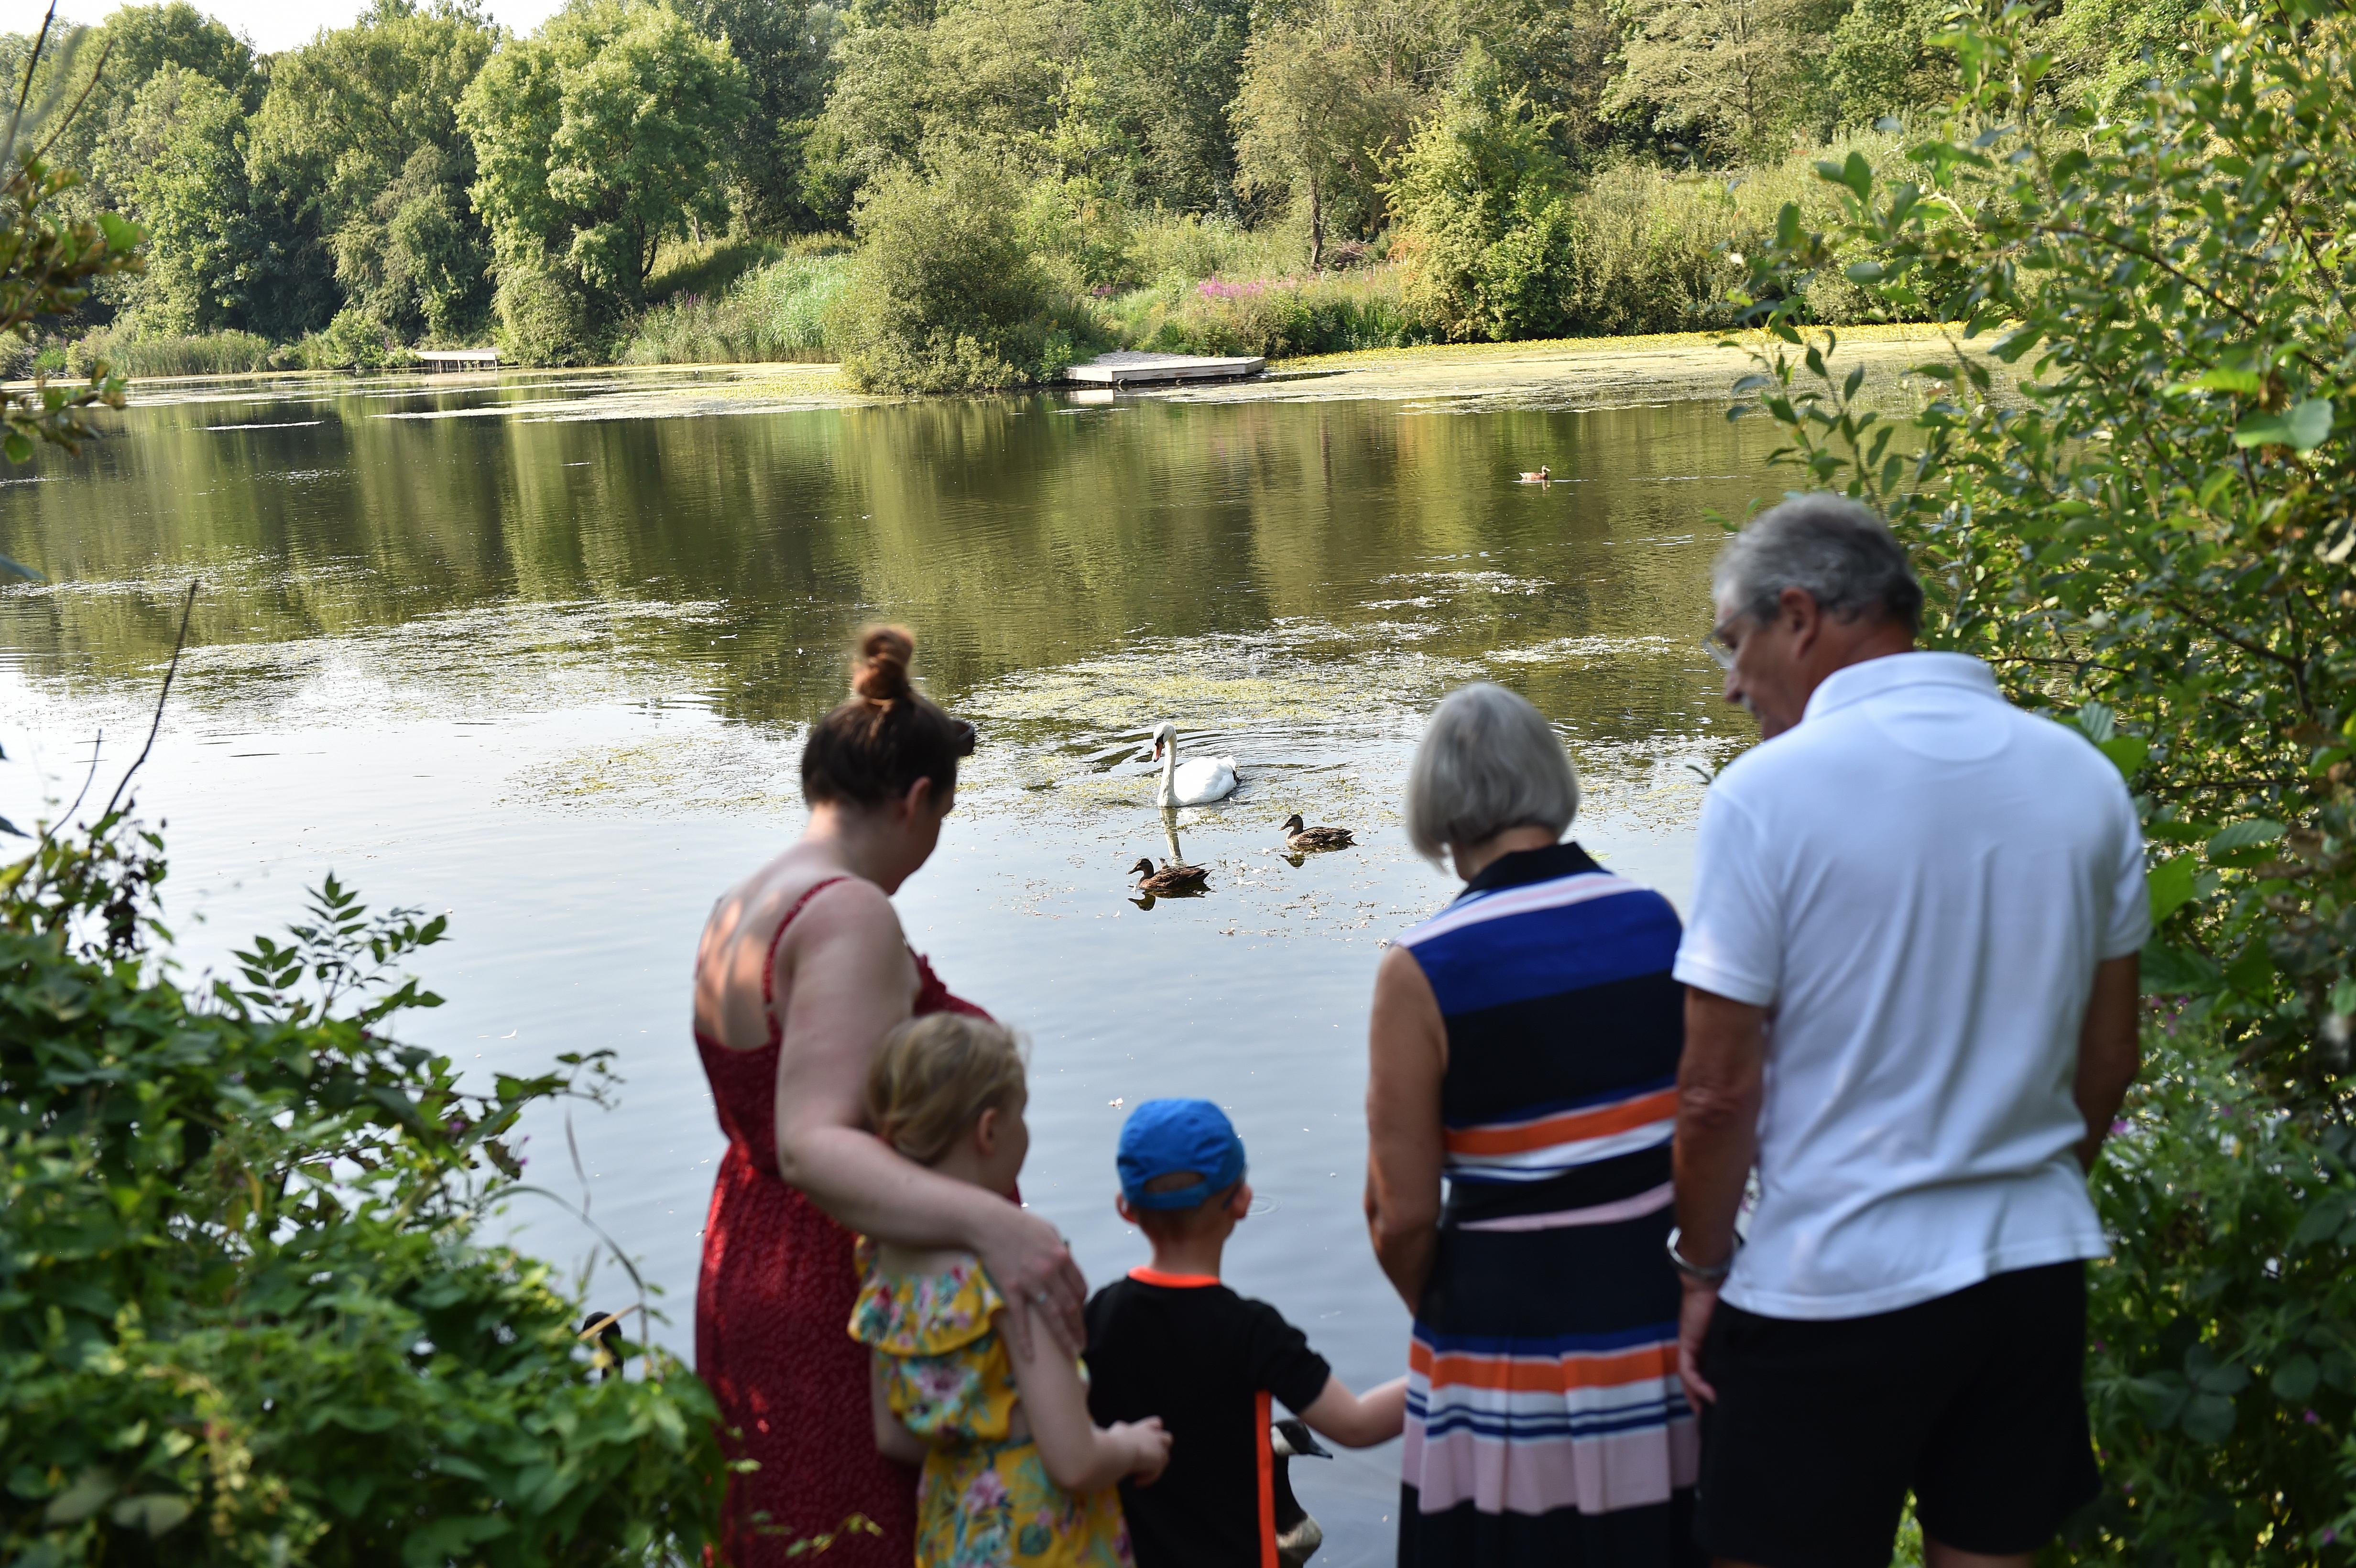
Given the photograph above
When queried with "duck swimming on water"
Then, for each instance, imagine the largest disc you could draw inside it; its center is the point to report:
(1173, 877)
(1542, 476)
(1298, 837)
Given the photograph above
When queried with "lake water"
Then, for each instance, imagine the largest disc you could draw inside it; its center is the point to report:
(540, 654)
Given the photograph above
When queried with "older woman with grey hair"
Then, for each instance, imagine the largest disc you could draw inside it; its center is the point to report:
(1524, 1049)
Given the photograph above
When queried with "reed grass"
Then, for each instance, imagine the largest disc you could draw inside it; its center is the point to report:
(775, 312)
(134, 353)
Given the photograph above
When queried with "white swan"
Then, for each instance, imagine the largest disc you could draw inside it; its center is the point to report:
(1198, 782)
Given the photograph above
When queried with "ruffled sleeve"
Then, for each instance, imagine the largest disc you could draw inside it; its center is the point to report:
(928, 1314)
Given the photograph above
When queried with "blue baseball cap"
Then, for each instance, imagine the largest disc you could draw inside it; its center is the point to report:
(1163, 1137)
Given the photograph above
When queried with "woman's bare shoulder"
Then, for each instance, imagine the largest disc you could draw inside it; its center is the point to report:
(1398, 969)
(848, 907)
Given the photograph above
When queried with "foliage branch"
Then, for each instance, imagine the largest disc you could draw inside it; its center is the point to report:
(244, 1313)
(2148, 527)
(48, 264)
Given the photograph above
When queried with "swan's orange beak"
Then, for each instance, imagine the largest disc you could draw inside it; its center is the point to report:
(1157, 751)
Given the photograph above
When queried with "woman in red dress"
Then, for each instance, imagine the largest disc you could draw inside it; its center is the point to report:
(802, 970)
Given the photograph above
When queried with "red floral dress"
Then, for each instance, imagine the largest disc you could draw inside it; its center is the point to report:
(776, 1286)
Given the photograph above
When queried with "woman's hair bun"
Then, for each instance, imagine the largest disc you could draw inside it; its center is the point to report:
(880, 674)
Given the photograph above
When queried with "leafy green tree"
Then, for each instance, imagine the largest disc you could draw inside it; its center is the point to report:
(787, 52)
(175, 159)
(1011, 79)
(1558, 54)
(1880, 61)
(115, 62)
(1480, 197)
(946, 296)
(1727, 78)
(418, 261)
(1320, 111)
(598, 137)
(2151, 534)
(358, 151)
(1172, 68)
(103, 76)
(2103, 49)
(874, 115)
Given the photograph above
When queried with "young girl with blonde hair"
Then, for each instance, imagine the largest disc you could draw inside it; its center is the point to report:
(1015, 1474)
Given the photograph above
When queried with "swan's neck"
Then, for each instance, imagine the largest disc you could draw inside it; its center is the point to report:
(1169, 766)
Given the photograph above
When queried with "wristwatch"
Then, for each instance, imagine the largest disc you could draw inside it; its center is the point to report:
(1694, 1270)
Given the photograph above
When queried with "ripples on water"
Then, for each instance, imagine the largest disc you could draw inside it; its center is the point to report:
(476, 650)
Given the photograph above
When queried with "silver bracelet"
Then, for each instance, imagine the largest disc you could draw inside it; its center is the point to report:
(1694, 1270)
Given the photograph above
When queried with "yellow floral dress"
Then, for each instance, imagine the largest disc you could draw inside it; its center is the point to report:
(984, 1501)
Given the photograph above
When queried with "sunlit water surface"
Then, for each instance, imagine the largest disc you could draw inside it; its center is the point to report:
(474, 651)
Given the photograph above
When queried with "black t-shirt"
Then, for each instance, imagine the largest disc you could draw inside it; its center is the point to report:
(1206, 1361)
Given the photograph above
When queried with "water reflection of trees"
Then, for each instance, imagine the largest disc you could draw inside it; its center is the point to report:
(1014, 533)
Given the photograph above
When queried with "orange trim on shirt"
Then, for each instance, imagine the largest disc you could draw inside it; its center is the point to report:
(1265, 1454)
(1568, 1127)
(1144, 1275)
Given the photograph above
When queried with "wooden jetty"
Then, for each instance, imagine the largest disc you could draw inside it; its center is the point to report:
(459, 359)
(1129, 369)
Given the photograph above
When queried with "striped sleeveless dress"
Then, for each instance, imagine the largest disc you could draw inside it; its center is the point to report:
(1546, 1420)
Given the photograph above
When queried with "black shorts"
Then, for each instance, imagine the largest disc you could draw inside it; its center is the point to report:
(1974, 1402)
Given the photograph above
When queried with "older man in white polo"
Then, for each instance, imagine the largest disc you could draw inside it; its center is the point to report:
(1911, 1005)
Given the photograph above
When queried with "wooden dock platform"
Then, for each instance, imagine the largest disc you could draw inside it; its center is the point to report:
(458, 358)
(1129, 368)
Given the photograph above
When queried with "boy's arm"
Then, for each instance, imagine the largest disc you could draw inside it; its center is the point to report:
(1358, 1421)
(893, 1439)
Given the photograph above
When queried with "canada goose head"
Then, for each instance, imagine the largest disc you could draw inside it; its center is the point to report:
(1164, 733)
(1293, 824)
(1144, 868)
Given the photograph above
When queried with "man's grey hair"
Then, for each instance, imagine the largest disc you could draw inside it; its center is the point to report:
(1835, 549)
(1489, 760)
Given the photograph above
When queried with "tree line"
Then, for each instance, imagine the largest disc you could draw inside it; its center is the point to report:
(424, 175)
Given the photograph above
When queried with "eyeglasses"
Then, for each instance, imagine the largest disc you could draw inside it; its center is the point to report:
(1719, 653)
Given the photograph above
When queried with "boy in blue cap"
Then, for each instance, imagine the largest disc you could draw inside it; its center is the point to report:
(1171, 1340)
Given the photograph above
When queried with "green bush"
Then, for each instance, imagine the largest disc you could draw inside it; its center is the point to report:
(2153, 528)
(774, 312)
(547, 318)
(1499, 245)
(945, 295)
(1482, 195)
(245, 1315)
(355, 340)
(2221, 1367)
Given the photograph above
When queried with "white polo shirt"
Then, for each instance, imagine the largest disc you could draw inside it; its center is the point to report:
(1918, 879)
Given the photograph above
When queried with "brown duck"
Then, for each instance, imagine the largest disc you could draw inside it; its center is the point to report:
(1298, 837)
(1173, 877)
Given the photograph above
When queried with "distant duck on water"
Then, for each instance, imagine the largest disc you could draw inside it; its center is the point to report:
(1542, 476)
(1173, 877)
(1197, 783)
(1299, 836)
